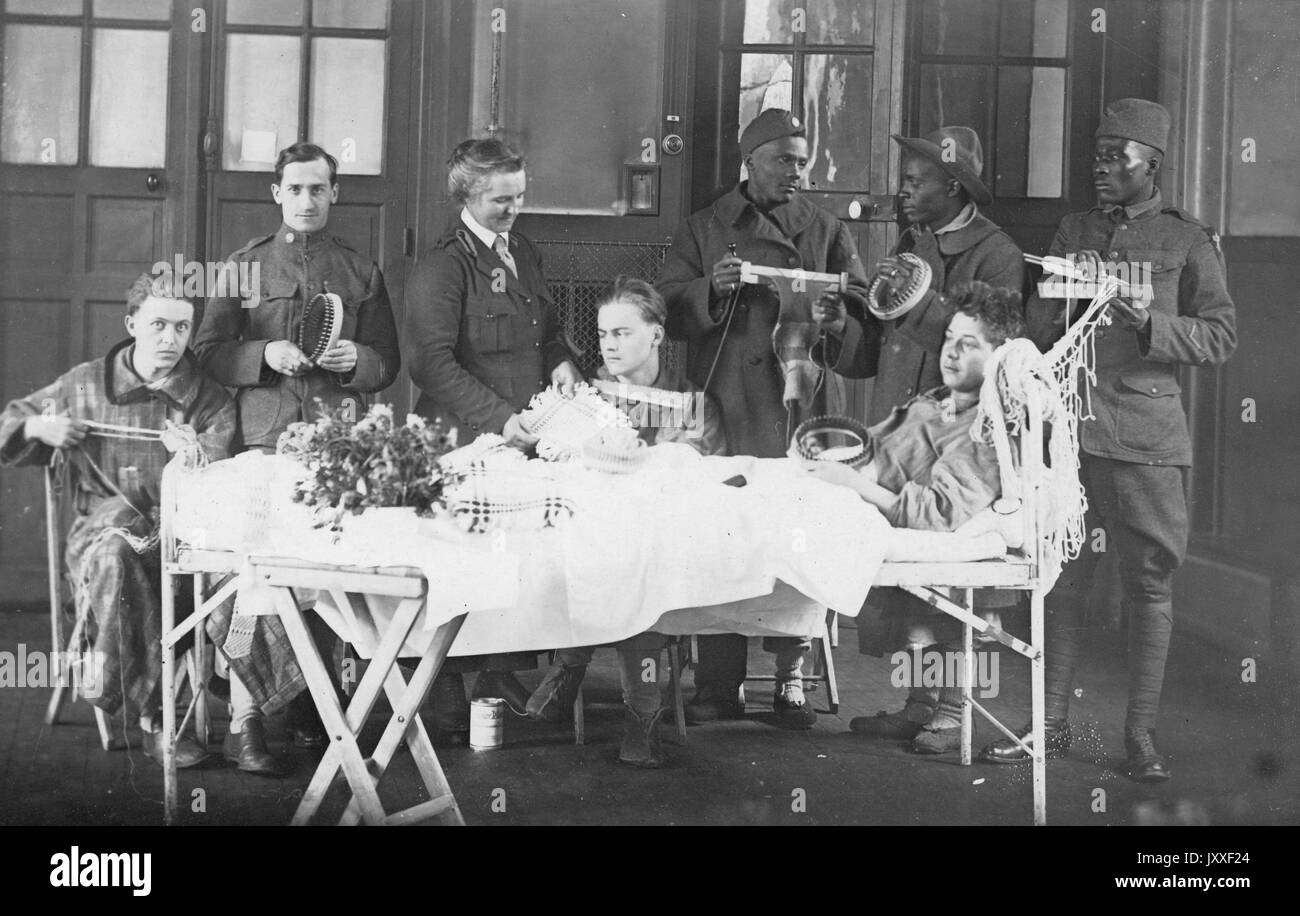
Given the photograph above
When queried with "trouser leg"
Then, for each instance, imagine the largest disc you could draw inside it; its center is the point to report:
(639, 669)
(790, 652)
(721, 664)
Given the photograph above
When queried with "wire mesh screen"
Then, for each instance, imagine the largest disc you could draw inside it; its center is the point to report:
(578, 273)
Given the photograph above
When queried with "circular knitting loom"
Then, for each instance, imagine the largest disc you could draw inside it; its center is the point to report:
(322, 323)
(839, 439)
(885, 304)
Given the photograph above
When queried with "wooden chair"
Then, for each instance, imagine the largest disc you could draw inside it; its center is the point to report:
(675, 670)
(194, 668)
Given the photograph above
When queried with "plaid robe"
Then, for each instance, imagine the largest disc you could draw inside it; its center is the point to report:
(116, 491)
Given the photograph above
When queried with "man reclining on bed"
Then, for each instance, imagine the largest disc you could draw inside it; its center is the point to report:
(927, 473)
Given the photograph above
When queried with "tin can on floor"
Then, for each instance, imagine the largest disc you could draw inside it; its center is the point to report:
(486, 722)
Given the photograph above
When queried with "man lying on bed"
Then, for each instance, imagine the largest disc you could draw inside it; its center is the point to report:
(631, 321)
(926, 472)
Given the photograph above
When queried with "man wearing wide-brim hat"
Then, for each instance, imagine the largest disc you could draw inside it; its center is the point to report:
(899, 342)
(1134, 448)
(729, 326)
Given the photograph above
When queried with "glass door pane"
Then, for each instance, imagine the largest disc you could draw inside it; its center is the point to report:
(261, 115)
(347, 101)
(42, 94)
(128, 98)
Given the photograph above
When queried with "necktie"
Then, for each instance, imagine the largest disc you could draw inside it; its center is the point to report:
(503, 252)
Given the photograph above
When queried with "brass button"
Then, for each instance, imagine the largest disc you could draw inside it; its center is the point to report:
(1114, 254)
(792, 261)
(1155, 390)
(288, 237)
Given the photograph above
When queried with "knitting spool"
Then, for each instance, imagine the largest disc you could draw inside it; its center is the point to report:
(487, 719)
(321, 326)
(886, 304)
(841, 440)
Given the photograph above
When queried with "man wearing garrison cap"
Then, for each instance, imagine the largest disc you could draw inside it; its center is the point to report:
(1135, 447)
(940, 193)
(729, 327)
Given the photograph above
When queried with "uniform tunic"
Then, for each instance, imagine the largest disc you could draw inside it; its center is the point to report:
(116, 486)
(233, 333)
(479, 341)
(748, 382)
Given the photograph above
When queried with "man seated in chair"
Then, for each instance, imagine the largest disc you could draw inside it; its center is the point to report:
(926, 472)
(148, 382)
(631, 321)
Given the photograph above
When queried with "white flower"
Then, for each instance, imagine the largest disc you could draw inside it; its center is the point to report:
(381, 410)
(415, 421)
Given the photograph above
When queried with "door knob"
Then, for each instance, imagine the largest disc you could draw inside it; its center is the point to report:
(153, 182)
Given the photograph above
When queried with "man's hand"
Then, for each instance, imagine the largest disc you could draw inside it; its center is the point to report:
(516, 435)
(833, 472)
(178, 436)
(55, 430)
(1128, 314)
(284, 357)
(896, 273)
(830, 314)
(726, 275)
(565, 376)
(342, 357)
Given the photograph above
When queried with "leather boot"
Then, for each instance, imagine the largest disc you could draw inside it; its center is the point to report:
(552, 701)
(248, 750)
(188, 751)
(713, 703)
(1056, 734)
(641, 746)
(450, 705)
(1145, 763)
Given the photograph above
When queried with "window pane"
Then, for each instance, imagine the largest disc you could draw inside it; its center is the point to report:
(261, 100)
(350, 14)
(133, 9)
(1034, 28)
(582, 84)
(42, 94)
(1031, 132)
(264, 12)
(128, 98)
(841, 22)
(347, 101)
(770, 21)
(765, 82)
(959, 27)
(837, 108)
(44, 7)
(956, 95)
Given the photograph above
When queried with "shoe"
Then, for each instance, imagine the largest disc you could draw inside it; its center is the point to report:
(792, 710)
(1056, 733)
(641, 746)
(503, 685)
(303, 724)
(903, 725)
(937, 740)
(189, 753)
(449, 703)
(713, 704)
(1145, 764)
(552, 701)
(248, 750)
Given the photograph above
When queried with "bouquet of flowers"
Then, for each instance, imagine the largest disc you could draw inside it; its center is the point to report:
(356, 464)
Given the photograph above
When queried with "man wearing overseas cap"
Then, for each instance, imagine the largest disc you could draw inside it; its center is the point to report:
(729, 326)
(1135, 447)
(899, 343)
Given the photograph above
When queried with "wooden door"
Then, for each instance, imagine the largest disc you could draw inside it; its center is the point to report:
(96, 186)
(334, 73)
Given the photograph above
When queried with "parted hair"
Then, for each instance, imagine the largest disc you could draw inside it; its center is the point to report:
(473, 163)
(996, 306)
(632, 291)
(305, 152)
(162, 285)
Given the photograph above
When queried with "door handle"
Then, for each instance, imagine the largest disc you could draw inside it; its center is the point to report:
(153, 182)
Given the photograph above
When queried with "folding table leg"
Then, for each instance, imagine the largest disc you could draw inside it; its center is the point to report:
(1037, 690)
(679, 703)
(168, 688)
(406, 699)
(343, 750)
(967, 679)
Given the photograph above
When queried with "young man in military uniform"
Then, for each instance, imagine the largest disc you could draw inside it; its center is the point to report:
(731, 354)
(250, 344)
(1135, 447)
(940, 193)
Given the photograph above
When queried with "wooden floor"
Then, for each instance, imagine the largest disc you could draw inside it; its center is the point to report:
(1233, 747)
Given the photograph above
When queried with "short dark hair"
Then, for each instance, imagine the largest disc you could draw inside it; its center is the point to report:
(648, 301)
(163, 285)
(473, 163)
(305, 152)
(996, 306)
